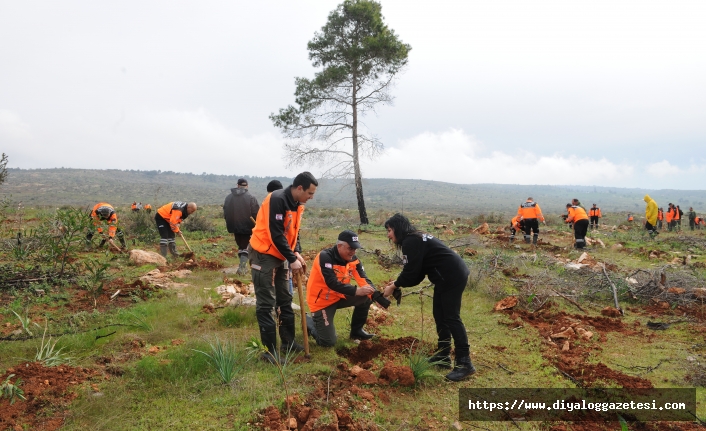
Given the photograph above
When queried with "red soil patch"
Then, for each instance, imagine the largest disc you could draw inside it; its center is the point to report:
(381, 319)
(380, 348)
(696, 310)
(47, 393)
(215, 239)
(574, 361)
(201, 263)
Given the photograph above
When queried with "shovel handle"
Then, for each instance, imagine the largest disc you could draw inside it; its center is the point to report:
(187, 244)
(305, 331)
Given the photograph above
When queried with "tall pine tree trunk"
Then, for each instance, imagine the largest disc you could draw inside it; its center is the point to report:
(358, 178)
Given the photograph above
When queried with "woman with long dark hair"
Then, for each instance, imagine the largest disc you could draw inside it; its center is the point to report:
(423, 255)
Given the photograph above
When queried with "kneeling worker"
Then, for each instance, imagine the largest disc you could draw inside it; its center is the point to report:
(329, 288)
(105, 213)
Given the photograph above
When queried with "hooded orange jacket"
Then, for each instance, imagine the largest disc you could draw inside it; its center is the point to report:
(576, 213)
(103, 212)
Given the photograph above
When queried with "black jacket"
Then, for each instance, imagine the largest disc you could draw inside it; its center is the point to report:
(424, 255)
(239, 206)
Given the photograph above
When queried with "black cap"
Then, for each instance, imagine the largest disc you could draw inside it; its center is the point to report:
(350, 237)
(242, 182)
(274, 185)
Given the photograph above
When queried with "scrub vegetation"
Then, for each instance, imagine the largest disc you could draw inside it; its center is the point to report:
(122, 353)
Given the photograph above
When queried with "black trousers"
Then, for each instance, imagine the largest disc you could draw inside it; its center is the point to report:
(165, 231)
(580, 228)
(531, 225)
(594, 221)
(447, 315)
(243, 241)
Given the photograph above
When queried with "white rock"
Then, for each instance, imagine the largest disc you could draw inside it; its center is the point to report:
(575, 266)
(142, 257)
(583, 257)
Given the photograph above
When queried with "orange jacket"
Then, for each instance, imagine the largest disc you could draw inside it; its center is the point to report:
(515, 223)
(133, 206)
(670, 215)
(530, 210)
(576, 213)
(594, 212)
(174, 213)
(276, 230)
(103, 212)
(330, 279)
(147, 207)
(630, 218)
(676, 214)
(660, 215)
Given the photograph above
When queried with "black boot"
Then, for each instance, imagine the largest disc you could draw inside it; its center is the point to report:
(163, 250)
(527, 239)
(286, 334)
(534, 239)
(311, 328)
(172, 249)
(360, 316)
(463, 369)
(442, 357)
(269, 340)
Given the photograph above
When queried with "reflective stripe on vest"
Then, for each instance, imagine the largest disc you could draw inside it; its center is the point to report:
(319, 295)
(261, 239)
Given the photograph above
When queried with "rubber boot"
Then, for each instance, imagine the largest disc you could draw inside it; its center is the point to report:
(172, 249)
(360, 316)
(243, 268)
(121, 238)
(463, 369)
(269, 340)
(534, 239)
(286, 334)
(527, 239)
(311, 328)
(163, 250)
(442, 358)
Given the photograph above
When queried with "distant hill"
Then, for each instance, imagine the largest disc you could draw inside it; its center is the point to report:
(82, 187)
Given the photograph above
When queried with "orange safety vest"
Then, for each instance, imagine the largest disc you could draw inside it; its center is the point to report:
(171, 212)
(594, 212)
(261, 239)
(529, 210)
(660, 215)
(112, 220)
(670, 216)
(630, 218)
(319, 295)
(676, 214)
(515, 223)
(576, 213)
(148, 206)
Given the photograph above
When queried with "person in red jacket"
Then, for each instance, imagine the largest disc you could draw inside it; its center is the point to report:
(104, 214)
(330, 288)
(168, 219)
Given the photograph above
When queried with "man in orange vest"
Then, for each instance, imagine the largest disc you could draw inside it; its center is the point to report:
(168, 219)
(670, 217)
(133, 207)
(105, 213)
(678, 213)
(516, 225)
(148, 208)
(660, 217)
(531, 214)
(274, 242)
(594, 213)
(578, 217)
(330, 288)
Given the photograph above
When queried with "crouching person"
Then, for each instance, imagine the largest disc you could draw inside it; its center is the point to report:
(329, 289)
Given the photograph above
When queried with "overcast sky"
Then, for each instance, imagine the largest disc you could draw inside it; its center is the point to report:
(606, 93)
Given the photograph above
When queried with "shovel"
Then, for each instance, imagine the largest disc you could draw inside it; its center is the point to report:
(305, 331)
(190, 254)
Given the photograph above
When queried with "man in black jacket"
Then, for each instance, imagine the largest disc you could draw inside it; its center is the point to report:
(239, 209)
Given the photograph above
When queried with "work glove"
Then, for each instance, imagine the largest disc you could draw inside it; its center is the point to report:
(397, 294)
(381, 300)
